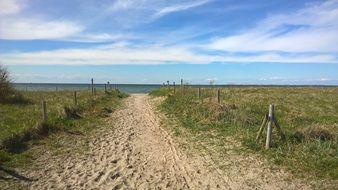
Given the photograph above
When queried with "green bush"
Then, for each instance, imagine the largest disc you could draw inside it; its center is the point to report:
(7, 93)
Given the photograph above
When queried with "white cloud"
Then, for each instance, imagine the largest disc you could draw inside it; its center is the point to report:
(179, 7)
(122, 53)
(125, 5)
(312, 29)
(28, 29)
(16, 24)
(9, 7)
(113, 55)
(300, 81)
(149, 10)
(96, 37)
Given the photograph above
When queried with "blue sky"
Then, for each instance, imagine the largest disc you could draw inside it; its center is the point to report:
(151, 41)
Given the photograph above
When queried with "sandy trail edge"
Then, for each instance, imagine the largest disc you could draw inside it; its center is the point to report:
(136, 153)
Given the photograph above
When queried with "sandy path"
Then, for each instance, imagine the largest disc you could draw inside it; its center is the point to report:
(135, 154)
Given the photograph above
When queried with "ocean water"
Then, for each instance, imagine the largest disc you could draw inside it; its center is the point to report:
(127, 88)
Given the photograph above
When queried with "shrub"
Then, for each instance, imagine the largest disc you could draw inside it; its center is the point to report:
(7, 93)
(5, 87)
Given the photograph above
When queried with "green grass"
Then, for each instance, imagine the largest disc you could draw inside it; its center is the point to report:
(311, 112)
(17, 121)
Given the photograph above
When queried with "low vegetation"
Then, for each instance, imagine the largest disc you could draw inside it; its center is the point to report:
(308, 116)
(7, 93)
(21, 124)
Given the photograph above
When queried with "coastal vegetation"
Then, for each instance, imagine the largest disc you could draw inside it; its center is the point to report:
(7, 93)
(308, 116)
(22, 125)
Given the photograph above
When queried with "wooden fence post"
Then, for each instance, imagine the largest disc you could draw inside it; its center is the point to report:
(199, 92)
(44, 111)
(269, 129)
(75, 98)
(182, 86)
(105, 88)
(218, 95)
(174, 87)
(261, 129)
(271, 119)
(92, 87)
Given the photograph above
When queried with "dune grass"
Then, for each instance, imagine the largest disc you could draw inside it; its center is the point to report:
(20, 123)
(308, 116)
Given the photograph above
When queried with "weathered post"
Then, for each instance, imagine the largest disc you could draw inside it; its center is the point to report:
(44, 111)
(199, 92)
(105, 88)
(218, 95)
(259, 134)
(182, 86)
(269, 129)
(92, 87)
(174, 87)
(75, 98)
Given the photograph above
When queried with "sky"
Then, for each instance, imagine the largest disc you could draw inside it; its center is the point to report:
(152, 41)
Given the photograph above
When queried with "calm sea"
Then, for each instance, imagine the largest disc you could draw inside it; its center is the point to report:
(128, 88)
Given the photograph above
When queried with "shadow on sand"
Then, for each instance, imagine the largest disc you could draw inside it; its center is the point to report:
(13, 175)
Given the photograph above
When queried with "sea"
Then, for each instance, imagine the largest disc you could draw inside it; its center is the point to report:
(127, 88)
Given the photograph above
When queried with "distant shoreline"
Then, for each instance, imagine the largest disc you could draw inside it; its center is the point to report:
(194, 85)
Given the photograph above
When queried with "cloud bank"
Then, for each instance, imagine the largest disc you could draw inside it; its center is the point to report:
(307, 35)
